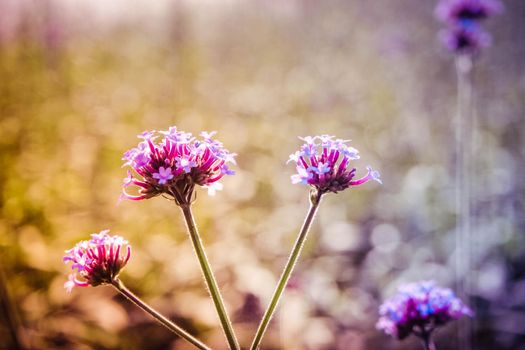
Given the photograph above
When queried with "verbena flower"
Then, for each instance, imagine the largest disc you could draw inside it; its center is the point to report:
(175, 164)
(463, 33)
(419, 308)
(467, 40)
(97, 261)
(452, 11)
(324, 163)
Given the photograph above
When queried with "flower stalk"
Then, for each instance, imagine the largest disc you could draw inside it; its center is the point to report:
(428, 343)
(209, 277)
(99, 261)
(121, 288)
(324, 163)
(419, 308)
(463, 178)
(315, 200)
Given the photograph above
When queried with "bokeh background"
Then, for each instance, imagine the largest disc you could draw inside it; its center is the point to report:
(80, 79)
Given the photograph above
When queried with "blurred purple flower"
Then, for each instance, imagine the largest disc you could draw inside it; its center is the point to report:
(97, 261)
(452, 11)
(419, 308)
(324, 163)
(465, 40)
(176, 164)
(464, 34)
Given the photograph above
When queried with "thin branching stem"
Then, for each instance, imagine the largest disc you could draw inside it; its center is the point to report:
(287, 272)
(209, 277)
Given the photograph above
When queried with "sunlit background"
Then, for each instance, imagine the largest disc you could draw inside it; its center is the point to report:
(80, 79)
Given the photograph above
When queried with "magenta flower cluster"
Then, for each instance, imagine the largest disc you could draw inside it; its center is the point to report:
(97, 261)
(176, 164)
(418, 309)
(324, 163)
(464, 33)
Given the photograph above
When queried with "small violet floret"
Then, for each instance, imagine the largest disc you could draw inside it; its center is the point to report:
(163, 176)
(323, 162)
(418, 309)
(172, 162)
(97, 261)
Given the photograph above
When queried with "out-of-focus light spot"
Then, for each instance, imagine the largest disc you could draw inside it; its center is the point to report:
(353, 305)
(385, 237)
(490, 279)
(293, 318)
(427, 271)
(321, 288)
(100, 308)
(159, 246)
(241, 187)
(318, 334)
(418, 180)
(255, 280)
(356, 338)
(125, 98)
(197, 307)
(503, 181)
(138, 265)
(331, 211)
(31, 241)
(340, 236)
(378, 263)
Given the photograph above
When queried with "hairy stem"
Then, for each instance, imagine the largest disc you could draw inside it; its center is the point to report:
(159, 317)
(315, 200)
(209, 277)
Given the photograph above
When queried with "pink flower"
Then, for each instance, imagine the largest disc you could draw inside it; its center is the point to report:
(97, 261)
(451, 11)
(464, 33)
(419, 308)
(176, 164)
(467, 40)
(324, 163)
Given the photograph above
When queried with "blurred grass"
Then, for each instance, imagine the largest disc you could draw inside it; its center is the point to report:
(76, 87)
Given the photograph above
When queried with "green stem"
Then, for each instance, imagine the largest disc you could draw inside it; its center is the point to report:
(315, 200)
(159, 317)
(209, 277)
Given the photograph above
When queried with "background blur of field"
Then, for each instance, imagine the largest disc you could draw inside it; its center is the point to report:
(79, 80)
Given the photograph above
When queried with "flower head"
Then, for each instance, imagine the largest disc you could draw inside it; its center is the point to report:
(451, 11)
(465, 40)
(463, 33)
(418, 308)
(323, 162)
(97, 261)
(175, 164)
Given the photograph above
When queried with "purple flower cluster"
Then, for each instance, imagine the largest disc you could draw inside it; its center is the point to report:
(323, 162)
(464, 33)
(176, 164)
(98, 260)
(418, 308)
